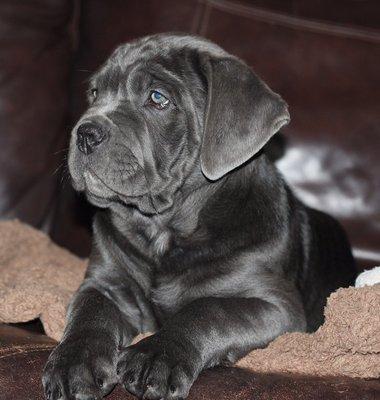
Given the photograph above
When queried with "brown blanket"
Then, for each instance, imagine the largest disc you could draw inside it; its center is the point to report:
(38, 278)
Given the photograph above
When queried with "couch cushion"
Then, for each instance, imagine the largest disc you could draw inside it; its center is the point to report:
(35, 61)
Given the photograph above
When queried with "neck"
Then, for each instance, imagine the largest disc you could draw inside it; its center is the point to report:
(198, 205)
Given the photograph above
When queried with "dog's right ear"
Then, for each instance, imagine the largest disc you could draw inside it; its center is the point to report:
(242, 115)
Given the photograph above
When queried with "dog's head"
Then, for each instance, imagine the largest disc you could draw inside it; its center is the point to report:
(163, 109)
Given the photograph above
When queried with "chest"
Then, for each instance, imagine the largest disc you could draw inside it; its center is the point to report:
(177, 280)
(168, 295)
(187, 277)
(183, 264)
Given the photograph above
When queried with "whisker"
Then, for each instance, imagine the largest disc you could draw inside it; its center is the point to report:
(61, 151)
(57, 169)
(61, 166)
(65, 176)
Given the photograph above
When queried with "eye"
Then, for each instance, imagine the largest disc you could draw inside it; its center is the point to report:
(94, 93)
(159, 100)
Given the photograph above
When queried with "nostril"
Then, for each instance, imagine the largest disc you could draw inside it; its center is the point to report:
(89, 135)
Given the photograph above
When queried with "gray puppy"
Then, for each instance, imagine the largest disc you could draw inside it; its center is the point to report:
(197, 237)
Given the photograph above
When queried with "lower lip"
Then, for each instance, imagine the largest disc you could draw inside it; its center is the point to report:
(88, 176)
(93, 184)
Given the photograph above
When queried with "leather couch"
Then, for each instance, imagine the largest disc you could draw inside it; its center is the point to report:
(323, 57)
(23, 355)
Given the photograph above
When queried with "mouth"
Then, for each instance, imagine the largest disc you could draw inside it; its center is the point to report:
(134, 191)
(95, 186)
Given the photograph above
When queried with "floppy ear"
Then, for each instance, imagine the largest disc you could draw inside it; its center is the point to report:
(242, 115)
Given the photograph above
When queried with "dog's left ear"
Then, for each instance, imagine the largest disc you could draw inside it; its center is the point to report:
(242, 115)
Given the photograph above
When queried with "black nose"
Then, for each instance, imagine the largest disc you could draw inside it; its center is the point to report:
(89, 135)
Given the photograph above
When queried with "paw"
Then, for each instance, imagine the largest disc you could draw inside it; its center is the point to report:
(79, 370)
(158, 368)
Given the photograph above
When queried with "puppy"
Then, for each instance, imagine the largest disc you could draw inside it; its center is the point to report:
(197, 238)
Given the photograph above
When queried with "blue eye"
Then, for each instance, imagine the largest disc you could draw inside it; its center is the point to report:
(159, 99)
(157, 96)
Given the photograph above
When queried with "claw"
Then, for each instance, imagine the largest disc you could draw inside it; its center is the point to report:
(100, 382)
(172, 389)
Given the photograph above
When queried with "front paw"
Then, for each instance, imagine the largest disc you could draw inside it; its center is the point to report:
(158, 367)
(79, 370)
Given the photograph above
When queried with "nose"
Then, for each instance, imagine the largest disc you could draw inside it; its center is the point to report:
(89, 135)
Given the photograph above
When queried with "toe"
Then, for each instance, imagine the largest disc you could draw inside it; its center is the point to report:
(52, 387)
(134, 374)
(56, 393)
(104, 377)
(124, 360)
(179, 383)
(155, 386)
(82, 385)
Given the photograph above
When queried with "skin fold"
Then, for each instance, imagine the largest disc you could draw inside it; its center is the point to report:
(197, 236)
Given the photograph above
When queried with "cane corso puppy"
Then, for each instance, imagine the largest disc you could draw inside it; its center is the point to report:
(197, 236)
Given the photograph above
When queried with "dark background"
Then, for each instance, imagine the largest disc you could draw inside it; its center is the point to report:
(322, 56)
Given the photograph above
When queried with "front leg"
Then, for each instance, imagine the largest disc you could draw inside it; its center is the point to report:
(206, 332)
(83, 365)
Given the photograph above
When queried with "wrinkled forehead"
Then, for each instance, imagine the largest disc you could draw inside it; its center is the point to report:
(158, 50)
(152, 46)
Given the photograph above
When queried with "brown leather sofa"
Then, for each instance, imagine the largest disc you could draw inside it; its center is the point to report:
(323, 56)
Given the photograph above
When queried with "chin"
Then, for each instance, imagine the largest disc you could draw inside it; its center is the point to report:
(98, 201)
(97, 193)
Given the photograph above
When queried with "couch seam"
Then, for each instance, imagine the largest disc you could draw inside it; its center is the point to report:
(289, 21)
(21, 350)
